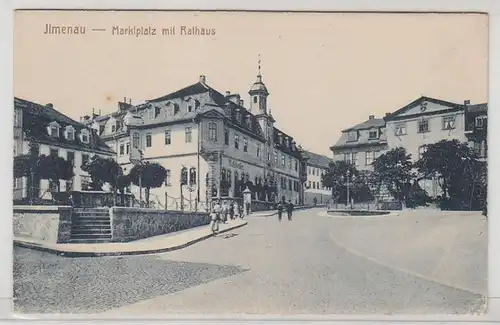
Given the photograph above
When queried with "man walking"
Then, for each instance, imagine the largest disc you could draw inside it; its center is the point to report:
(289, 210)
(216, 211)
(280, 210)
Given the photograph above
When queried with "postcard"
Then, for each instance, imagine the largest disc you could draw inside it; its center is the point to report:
(259, 163)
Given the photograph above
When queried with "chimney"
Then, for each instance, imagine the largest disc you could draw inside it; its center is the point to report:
(242, 102)
(203, 79)
(371, 117)
(49, 105)
(387, 114)
(467, 102)
(228, 93)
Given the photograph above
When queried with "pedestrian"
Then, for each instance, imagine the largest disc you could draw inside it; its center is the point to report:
(240, 210)
(247, 208)
(224, 212)
(216, 210)
(236, 210)
(280, 211)
(231, 210)
(289, 210)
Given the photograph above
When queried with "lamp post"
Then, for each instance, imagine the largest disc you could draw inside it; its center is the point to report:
(348, 174)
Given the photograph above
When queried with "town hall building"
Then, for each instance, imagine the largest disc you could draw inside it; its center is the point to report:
(225, 146)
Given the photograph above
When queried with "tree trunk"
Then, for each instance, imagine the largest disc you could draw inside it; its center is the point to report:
(147, 196)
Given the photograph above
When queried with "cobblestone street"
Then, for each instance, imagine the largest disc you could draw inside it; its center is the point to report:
(46, 283)
(311, 265)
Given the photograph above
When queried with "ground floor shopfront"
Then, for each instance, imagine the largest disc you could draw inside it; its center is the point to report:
(220, 176)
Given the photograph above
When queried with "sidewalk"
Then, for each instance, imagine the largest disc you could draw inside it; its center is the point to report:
(152, 245)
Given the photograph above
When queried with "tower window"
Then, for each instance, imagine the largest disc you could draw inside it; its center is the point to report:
(255, 99)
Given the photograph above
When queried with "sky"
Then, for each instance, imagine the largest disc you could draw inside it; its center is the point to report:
(324, 71)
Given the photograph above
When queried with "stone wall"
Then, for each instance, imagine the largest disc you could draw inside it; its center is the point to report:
(129, 224)
(51, 224)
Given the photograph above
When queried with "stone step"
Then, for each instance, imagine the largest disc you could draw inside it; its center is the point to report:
(80, 210)
(91, 219)
(91, 236)
(91, 229)
(89, 241)
(91, 214)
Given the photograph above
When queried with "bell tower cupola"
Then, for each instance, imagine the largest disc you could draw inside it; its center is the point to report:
(258, 95)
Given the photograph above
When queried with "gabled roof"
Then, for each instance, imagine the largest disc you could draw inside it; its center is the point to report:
(37, 117)
(368, 124)
(418, 102)
(193, 89)
(316, 159)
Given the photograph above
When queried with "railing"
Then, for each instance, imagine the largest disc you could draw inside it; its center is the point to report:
(369, 206)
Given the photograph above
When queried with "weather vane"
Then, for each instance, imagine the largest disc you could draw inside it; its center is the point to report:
(259, 65)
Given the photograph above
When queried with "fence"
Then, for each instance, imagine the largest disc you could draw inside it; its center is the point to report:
(369, 206)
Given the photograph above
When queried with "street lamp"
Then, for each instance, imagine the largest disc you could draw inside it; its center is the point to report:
(348, 174)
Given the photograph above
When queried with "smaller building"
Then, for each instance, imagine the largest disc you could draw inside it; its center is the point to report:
(476, 128)
(362, 143)
(316, 166)
(42, 130)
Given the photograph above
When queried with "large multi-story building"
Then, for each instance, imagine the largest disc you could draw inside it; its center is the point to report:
(42, 130)
(224, 145)
(413, 127)
(317, 166)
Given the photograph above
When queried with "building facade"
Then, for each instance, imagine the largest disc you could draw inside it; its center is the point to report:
(362, 143)
(317, 166)
(42, 130)
(413, 127)
(225, 146)
(476, 128)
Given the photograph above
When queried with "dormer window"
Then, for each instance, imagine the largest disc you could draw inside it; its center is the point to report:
(54, 129)
(196, 105)
(373, 134)
(176, 109)
(70, 133)
(352, 136)
(85, 136)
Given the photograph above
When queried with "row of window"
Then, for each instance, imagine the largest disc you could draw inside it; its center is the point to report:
(317, 185)
(292, 185)
(136, 138)
(69, 132)
(315, 171)
(448, 123)
(70, 156)
(172, 109)
(353, 136)
(352, 157)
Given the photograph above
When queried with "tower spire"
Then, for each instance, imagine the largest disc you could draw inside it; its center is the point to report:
(259, 67)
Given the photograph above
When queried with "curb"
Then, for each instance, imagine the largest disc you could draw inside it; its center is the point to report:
(103, 254)
(296, 209)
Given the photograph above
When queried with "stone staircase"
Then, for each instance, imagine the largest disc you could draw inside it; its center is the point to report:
(91, 225)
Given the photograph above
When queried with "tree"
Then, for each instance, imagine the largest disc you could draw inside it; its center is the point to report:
(23, 165)
(54, 169)
(461, 176)
(103, 170)
(394, 170)
(152, 175)
(336, 177)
